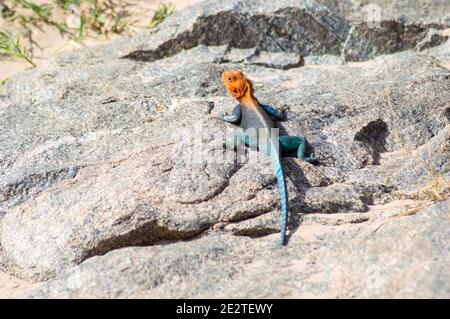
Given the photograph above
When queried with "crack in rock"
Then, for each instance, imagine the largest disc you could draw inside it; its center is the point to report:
(308, 29)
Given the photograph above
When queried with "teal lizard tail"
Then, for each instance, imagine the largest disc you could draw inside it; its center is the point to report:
(276, 163)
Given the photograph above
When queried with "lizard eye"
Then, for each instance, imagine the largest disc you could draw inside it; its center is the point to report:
(235, 90)
(229, 79)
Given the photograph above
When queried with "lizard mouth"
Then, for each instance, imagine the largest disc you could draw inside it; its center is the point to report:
(237, 93)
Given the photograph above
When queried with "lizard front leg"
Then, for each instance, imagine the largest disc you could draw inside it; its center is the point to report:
(275, 114)
(235, 139)
(234, 117)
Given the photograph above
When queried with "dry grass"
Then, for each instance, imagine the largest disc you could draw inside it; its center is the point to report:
(414, 210)
(437, 189)
(70, 24)
(73, 19)
(99, 17)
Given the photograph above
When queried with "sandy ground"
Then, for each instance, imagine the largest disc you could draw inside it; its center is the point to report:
(51, 42)
(11, 287)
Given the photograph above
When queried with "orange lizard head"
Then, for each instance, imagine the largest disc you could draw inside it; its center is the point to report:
(238, 85)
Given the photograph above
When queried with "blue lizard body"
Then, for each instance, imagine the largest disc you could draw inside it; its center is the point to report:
(250, 114)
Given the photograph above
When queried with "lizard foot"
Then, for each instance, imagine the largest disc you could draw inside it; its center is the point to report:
(309, 159)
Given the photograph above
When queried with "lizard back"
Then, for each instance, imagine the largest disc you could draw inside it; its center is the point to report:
(254, 116)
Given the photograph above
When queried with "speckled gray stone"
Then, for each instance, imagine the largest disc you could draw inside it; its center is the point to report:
(93, 145)
(403, 257)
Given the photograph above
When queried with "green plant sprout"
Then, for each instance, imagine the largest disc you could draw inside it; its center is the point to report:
(161, 14)
(12, 47)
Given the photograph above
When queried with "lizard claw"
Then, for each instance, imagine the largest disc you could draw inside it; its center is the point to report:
(284, 108)
(214, 118)
(283, 111)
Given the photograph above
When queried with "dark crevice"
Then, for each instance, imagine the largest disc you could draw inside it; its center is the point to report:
(373, 136)
(390, 37)
(310, 31)
(265, 32)
(286, 66)
(447, 114)
(149, 234)
(244, 215)
(256, 232)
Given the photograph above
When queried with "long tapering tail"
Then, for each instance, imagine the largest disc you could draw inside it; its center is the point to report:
(276, 163)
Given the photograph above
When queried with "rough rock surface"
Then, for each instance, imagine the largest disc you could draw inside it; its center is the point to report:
(117, 146)
(356, 261)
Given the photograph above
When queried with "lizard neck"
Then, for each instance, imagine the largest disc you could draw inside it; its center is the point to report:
(249, 100)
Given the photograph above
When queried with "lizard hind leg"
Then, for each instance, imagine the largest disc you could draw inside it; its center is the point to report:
(299, 144)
